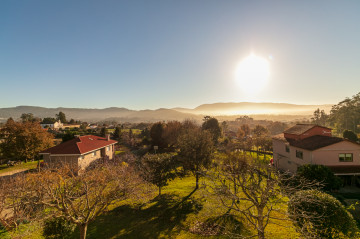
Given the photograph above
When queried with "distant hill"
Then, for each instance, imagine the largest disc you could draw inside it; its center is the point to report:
(93, 115)
(250, 108)
(222, 110)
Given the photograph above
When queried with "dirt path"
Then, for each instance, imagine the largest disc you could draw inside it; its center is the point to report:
(13, 172)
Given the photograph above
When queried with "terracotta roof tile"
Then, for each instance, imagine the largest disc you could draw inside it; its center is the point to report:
(301, 128)
(315, 142)
(80, 145)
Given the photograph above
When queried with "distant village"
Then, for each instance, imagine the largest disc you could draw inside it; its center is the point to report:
(78, 172)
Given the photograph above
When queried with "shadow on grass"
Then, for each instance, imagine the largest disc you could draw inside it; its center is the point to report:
(3, 233)
(163, 218)
(227, 224)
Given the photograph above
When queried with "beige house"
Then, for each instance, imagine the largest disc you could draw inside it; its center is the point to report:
(57, 125)
(79, 152)
(313, 144)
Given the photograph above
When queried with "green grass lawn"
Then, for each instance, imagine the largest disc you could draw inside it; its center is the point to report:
(4, 168)
(179, 213)
(135, 131)
(120, 152)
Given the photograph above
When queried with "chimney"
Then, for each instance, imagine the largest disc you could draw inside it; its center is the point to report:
(107, 136)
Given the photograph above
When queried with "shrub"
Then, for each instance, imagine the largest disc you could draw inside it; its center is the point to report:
(321, 174)
(348, 134)
(58, 228)
(319, 215)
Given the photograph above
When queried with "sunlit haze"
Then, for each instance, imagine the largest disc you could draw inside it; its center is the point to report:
(252, 74)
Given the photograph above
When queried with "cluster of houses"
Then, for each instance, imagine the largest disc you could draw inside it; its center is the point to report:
(296, 146)
(58, 125)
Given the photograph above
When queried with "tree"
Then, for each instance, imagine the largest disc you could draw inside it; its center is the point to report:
(259, 131)
(348, 134)
(24, 140)
(17, 203)
(158, 169)
(321, 174)
(83, 126)
(346, 114)
(276, 127)
(48, 120)
(80, 199)
(27, 117)
(246, 129)
(61, 116)
(117, 133)
(196, 149)
(252, 189)
(171, 133)
(156, 134)
(319, 117)
(103, 132)
(224, 126)
(319, 215)
(68, 136)
(212, 125)
(249, 188)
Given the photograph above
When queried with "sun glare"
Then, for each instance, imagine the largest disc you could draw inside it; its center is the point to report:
(252, 74)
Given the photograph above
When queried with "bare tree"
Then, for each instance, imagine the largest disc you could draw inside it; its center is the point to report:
(17, 202)
(253, 189)
(80, 199)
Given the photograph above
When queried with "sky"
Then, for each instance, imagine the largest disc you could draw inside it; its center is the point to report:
(165, 53)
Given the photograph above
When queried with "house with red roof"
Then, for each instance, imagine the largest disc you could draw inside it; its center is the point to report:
(79, 152)
(314, 144)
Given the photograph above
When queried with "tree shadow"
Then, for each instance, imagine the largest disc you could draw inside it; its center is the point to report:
(164, 217)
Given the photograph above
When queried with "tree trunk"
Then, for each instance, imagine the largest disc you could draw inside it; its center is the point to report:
(83, 229)
(159, 191)
(197, 180)
(260, 226)
(261, 234)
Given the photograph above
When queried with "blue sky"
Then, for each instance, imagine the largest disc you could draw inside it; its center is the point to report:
(153, 54)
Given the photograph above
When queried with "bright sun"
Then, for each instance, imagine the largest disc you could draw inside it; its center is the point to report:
(252, 74)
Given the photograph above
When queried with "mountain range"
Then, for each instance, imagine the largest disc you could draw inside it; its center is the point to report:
(282, 111)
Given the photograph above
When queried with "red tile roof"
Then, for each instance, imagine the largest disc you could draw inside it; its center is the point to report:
(315, 142)
(312, 142)
(302, 128)
(80, 145)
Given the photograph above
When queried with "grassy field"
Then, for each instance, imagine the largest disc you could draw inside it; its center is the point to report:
(179, 213)
(135, 131)
(4, 168)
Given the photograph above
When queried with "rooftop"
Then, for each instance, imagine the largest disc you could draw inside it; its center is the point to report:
(315, 142)
(312, 142)
(80, 145)
(302, 128)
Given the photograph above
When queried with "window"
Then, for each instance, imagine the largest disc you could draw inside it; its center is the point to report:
(287, 148)
(345, 157)
(81, 157)
(107, 148)
(93, 154)
(299, 154)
